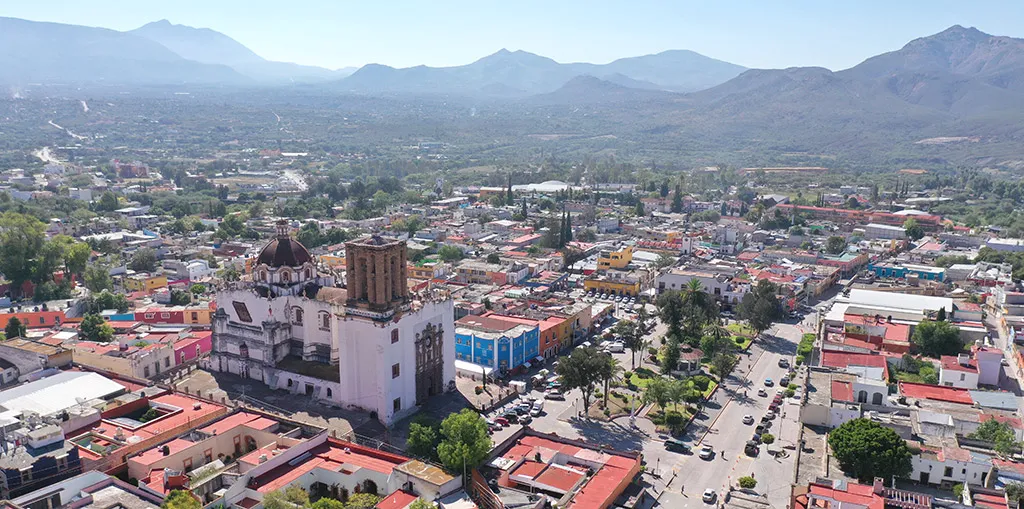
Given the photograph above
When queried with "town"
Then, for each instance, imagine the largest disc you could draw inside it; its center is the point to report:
(541, 344)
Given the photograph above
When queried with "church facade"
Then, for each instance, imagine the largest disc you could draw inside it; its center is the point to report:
(371, 345)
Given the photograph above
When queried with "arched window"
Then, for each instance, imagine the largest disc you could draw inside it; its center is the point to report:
(862, 397)
(297, 315)
(286, 276)
(329, 392)
(289, 382)
(309, 273)
(243, 351)
(876, 399)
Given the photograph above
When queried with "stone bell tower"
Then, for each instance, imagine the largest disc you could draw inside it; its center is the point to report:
(375, 273)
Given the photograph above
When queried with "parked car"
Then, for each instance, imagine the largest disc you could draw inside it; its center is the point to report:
(707, 452)
(783, 362)
(501, 421)
(511, 417)
(762, 393)
(554, 395)
(616, 347)
(709, 496)
(752, 448)
(748, 419)
(768, 382)
(525, 419)
(676, 445)
(784, 382)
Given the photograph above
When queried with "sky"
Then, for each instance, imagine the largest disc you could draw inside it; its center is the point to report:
(403, 33)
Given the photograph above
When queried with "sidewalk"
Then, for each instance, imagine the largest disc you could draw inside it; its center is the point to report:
(714, 405)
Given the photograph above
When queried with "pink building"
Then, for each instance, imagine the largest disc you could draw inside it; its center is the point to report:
(192, 347)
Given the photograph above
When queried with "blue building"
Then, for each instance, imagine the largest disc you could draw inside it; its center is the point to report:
(497, 343)
(892, 270)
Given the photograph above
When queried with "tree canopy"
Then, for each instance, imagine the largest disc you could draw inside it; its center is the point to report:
(181, 499)
(95, 328)
(582, 370)
(464, 441)
(866, 449)
(14, 328)
(760, 307)
(1001, 435)
(936, 338)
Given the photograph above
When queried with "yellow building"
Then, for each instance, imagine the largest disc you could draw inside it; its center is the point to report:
(607, 260)
(145, 282)
(426, 271)
(198, 315)
(333, 261)
(618, 286)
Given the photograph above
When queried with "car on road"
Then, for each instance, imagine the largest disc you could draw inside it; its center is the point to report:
(677, 445)
(768, 382)
(554, 395)
(783, 362)
(709, 496)
(752, 448)
(707, 452)
(526, 419)
(763, 393)
(616, 347)
(748, 419)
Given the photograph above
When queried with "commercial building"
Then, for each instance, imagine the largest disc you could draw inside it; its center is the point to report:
(495, 342)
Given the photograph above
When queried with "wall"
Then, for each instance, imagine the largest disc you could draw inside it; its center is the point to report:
(936, 470)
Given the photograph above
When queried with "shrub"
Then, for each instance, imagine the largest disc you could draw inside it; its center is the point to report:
(739, 340)
(767, 438)
(792, 387)
(674, 419)
(478, 389)
(652, 351)
(789, 393)
(747, 482)
(701, 382)
(799, 360)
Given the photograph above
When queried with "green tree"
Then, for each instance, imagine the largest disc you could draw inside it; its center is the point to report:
(866, 449)
(665, 260)
(760, 307)
(698, 308)
(14, 328)
(328, 503)
(716, 339)
(722, 364)
(419, 503)
(609, 372)
(144, 260)
(21, 239)
(464, 441)
(449, 253)
(935, 338)
(670, 356)
(181, 499)
(582, 370)
(912, 229)
(97, 278)
(1001, 435)
(835, 245)
(638, 209)
(422, 441)
(941, 315)
(670, 309)
(494, 258)
(286, 498)
(95, 328)
(362, 500)
(106, 300)
(108, 202)
(677, 200)
(658, 391)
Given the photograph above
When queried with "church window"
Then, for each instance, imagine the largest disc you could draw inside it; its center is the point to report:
(309, 273)
(242, 311)
(325, 320)
(394, 336)
(396, 370)
(297, 316)
(286, 277)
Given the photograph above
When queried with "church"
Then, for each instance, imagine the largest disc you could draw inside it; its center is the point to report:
(371, 345)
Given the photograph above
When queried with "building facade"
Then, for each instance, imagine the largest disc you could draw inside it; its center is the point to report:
(372, 345)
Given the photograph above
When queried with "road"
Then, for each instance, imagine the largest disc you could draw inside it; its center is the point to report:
(724, 430)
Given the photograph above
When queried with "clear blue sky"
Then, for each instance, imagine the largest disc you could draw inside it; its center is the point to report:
(756, 33)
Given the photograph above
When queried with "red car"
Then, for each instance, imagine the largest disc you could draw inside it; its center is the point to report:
(501, 420)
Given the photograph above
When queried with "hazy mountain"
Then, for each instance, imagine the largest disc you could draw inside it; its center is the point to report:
(591, 90)
(212, 47)
(37, 52)
(524, 73)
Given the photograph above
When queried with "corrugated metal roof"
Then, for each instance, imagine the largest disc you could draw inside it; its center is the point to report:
(58, 392)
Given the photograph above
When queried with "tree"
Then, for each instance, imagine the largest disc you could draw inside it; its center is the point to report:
(106, 300)
(835, 245)
(108, 202)
(181, 499)
(638, 209)
(610, 370)
(716, 339)
(912, 229)
(422, 441)
(747, 482)
(698, 308)
(328, 503)
(664, 188)
(941, 315)
(1014, 491)
(1001, 435)
(677, 200)
(14, 328)
(450, 253)
(678, 391)
(361, 501)
(935, 338)
(760, 307)
(581, 370)
(494, 258)
(144, 260)
(286, 498)
(866, 449)
(670, 309)
(464, 441)
(97, 278)
(658, 391)
(665, 260)
(21, 239)
(722, 364)
(670, 356)
(94, 328)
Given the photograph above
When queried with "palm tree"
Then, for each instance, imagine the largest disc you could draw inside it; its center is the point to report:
(610, 371)
(716, 338)
(678, 390)
(697, 306)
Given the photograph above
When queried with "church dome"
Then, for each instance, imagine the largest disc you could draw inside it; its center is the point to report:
(284, 251)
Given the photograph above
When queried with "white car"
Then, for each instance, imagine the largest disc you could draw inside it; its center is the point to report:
(709, 496)
(616, 347)
(707, 452)
(748, 419)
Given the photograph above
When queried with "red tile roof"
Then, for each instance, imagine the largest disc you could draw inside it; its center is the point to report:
(529, 469)
(397, 500)
(842, 391)
(952, 363)
(330, 456)
(560, 478)
(843, 360)
(858, 494)
(935, 392)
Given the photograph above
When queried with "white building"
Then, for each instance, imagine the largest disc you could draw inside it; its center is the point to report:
(884, 231)
(959, 371)
(370, 346)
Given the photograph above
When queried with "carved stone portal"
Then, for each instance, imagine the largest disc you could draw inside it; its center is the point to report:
(429, 363)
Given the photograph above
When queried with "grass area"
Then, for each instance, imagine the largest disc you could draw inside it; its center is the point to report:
(618, 403)
(640, 377)
(742, 342)
(710, 389)
(805, 347)
(740, 329)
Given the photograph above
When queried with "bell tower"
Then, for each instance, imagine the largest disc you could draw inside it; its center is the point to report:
(375, 273)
